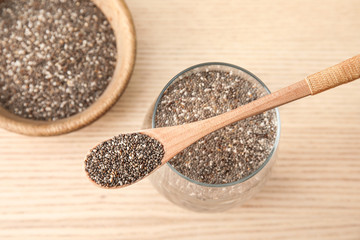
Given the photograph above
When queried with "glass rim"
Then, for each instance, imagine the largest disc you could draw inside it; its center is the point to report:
(277, 117)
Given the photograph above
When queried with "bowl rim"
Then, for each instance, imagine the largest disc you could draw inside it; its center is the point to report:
(123, 69)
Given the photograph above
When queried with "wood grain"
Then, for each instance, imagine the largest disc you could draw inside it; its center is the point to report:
(314, 191)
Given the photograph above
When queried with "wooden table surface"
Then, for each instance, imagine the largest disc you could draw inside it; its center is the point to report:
(314, 192)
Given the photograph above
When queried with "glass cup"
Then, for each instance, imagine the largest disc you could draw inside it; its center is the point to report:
(202, 197)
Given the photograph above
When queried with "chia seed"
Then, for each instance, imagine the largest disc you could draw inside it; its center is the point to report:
(230, 153)
(123, 160)
(57, 57)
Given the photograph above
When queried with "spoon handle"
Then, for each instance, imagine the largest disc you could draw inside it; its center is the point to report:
(344, 72)
(179, 137)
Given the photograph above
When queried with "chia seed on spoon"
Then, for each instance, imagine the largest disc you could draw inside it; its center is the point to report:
(123, 159)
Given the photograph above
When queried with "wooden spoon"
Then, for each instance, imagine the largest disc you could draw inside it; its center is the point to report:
(176, 138)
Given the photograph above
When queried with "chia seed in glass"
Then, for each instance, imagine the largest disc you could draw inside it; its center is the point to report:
(223, 173)
(230, 153)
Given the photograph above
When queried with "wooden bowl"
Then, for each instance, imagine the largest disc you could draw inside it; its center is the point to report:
(120, 19)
